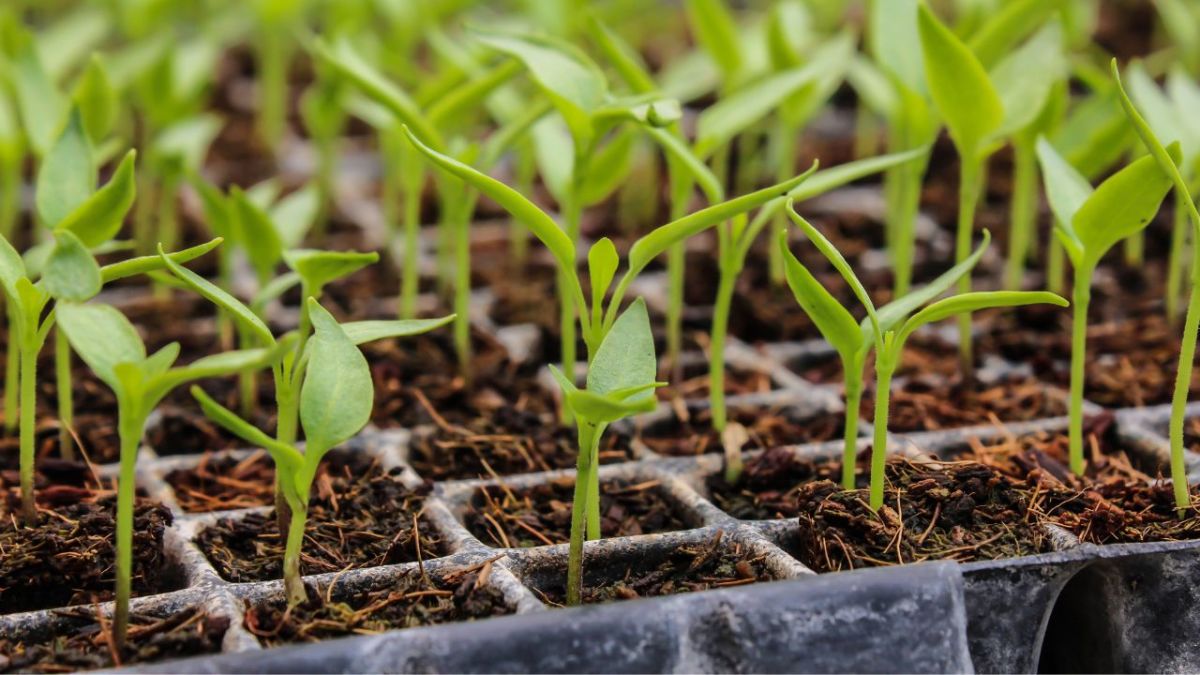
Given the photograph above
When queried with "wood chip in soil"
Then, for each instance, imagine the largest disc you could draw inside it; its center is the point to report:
(508, 441)
(541, 515)
(68, 559)
(715, 563)
(932, 510)
(359, 516)
(84, 644)
(769, 487)
(411, 601)
(222, 483)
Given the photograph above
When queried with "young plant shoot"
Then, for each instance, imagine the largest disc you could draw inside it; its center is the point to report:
(890, 331)
(112, 348)
(1168, 163)
(335, 403)
(1088, 223)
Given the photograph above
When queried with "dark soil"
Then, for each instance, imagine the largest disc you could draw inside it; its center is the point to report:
(694, 383)
(68, 559)
(1114, 502)
(541, 515)
(414, 600)
(922, 355)
(765, 428)
(688, 568)
(508, 441)
(85, 644)
(923, 404)
(221, 483)
(931, 510)
(359, 516)
(769, 487)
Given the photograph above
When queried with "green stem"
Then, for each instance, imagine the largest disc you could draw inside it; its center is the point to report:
(968, 198)
(883, 386)
(1183, 381)
(583, 478)
(131, 426)
(592, 510)
(1082, 295)
(12, 372)
(247, 383)
(28, 408)
(272, 82)
(462, 284)
(681, 189)
(526, 169)
(293, 581)
(10, 190)
(1055, 265)
(566, 318)
(1023, 212)
(1177, 262)
(785, 143)
(143, 213)
(1135, 249)
(66, 401)
(411, 274)
(850, 439)
(716, 356)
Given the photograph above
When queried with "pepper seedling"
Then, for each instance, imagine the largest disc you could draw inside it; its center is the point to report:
(1088, 223)
(335, 403)
(893, 330)
(1169, 165)
(110, 345)
(853, 341)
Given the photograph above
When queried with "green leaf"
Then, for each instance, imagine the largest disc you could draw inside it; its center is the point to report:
(66, 42)
(185, 143)
(295, 214)
(217, 210)
(697, 170)
(257, 235)
(343, 57)
(96, 100)
(836, 324)
(12, 267)
(245, 318)
(838, 261)
(625, 358)
(973, 302)
(621, 56)
(602, 267)
(151, 263)
(716, 31)
(41, 105)
(601, 409)
(542, 225)
(283, 454)
(336, 400)
(471, 95)
(895, 42)
(649, 246)
(891, 314)
(608, 168)
(67, 176)
(575, 85)
(1008, 26)
(102, 337)
(71, 273)
(789, 28)
(734, 114)
(1158, 111)
(959, 86)
(318, 268)
(275, 288)
(1026, 77)
(1066, 190)
(362, 332)
(1185, 95)
(1120, 206)
(99, 217)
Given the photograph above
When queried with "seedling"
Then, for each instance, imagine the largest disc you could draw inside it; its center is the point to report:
(622, 383)
(893, 325)
(335, 403)
(112, 348)
(1088, 223)
(1169, 165)
(853, 341)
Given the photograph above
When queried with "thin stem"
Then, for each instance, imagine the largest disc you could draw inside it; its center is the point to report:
(1183, 381)
(676, 271)
(1177, 262)
(525, 168)
(293, 582)
(410, 275)
(785, 145)
(566, 318)
(589, 442)
(66, 399)
(1023, 212)
(850, 440)
(143, 211)
(12, 371)
(10, 190)
(883, 385)
(716, 356)
(1082, 295)
(131, 425)
(272, 105)
(970, 186)
(1056, 262)
(1135, 249)
(247, 383)
(28, 357)
(462, 283)
(583, 478)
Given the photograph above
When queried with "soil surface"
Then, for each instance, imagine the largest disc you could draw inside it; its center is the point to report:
(765, 428)
(541, 515)
(769, 487)
(360, 515)
(926, 404)
(85, 644)
(694, 567)
(508, 442)
(69, 557)
(931, 510)
(222, 482)
(411, 601)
